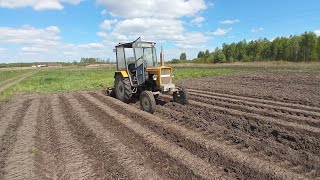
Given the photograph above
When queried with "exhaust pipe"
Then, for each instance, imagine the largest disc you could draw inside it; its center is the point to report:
(161, 57)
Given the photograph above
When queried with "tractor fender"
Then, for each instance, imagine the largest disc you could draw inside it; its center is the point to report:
(124, 74)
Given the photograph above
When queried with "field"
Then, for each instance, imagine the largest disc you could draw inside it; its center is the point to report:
(241, 123)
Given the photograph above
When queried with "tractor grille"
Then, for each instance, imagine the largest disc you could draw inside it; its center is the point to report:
(165, 76)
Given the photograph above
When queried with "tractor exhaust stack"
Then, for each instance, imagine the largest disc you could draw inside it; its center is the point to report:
(161, 57)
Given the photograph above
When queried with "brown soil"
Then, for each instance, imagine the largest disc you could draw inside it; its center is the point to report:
(220, 134)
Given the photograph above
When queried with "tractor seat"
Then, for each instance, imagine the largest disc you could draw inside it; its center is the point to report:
(132, 67)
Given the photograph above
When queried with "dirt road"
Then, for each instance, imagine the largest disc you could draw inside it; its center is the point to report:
(87, 135)
(15, 81)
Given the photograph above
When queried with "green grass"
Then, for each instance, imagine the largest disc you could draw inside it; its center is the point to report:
(9, 75)
(61, 80)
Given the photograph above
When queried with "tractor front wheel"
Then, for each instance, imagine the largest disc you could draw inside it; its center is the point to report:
(181, 96)
(147, 102)
(123, 89)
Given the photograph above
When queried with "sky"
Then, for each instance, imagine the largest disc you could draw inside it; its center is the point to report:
(66, 30)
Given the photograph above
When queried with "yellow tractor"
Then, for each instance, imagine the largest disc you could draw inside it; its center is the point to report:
(140, 74)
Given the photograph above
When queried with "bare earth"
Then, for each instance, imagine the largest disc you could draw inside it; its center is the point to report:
(229, 131)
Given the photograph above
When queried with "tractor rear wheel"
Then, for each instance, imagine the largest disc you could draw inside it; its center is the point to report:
(123, 89)
(181, 96)
(147, 102)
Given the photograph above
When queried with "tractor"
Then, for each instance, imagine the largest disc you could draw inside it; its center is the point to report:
(140, 74)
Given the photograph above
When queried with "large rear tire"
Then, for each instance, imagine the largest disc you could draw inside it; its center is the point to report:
(123, 89)
(147, 102)
(181, 96)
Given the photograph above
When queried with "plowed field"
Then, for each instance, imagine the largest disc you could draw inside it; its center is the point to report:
(219, 135)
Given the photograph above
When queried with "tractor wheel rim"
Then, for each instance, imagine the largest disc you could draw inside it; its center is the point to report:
(145, 103)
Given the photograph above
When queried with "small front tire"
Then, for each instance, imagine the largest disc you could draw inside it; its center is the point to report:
(147, 102)
(181, 96)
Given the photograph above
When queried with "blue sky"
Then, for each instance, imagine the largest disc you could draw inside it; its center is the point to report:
(66, 30)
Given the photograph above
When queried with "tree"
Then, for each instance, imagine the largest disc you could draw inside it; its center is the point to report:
(201, 54)
(207, 54)
(308, 46)
(183, 56)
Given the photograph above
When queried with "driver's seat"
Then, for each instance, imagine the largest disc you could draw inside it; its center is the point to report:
(132, 68)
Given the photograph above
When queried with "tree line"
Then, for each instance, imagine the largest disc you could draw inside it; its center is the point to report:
(297, 48)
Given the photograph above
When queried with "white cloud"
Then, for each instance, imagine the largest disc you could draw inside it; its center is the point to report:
(104, 12)
(198, 21)
(3, 50)
(91, 46)
(34, 49)
(37, 4)
(317, 32)
(153, 8)
(256, 30)
(29, 35)
(149, 28)
(107, 24)
(221, 31)
(229, 21)
(44, 44)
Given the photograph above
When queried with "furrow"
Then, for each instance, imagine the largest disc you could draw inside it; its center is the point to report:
(131, 160)
(21, 160)
(163, 164)
(309, 109)
(97, 155)
(302, 143)
(263, 119)
(9, 137)
(297, 114)
(224, 150)
(197, 165)
(71, 162)
(7, 114)
(258, 109)
(258, 147)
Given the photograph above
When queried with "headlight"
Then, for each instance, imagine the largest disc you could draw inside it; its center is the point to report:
(154, 77)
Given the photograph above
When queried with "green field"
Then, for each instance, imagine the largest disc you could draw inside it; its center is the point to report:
(9, 75)
(82, 78)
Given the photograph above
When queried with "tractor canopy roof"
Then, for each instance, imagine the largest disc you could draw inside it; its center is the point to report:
(129, 44)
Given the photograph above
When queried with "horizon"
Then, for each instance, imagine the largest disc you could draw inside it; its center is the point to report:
(42, 30)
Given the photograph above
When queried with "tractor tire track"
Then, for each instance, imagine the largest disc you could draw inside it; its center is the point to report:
(9, 136)
(228, 153)
(20, 162)
(198, 166)
(131, 160)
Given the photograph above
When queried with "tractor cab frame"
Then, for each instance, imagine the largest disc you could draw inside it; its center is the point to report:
(140, 73)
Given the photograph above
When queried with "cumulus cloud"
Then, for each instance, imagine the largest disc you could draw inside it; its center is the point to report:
(221, 31)
(34, 44)
(107, 24)
(256, 30)
(229, 21)
(37, 4)
(29, 35)
(317, 32)
(153, 8)
(3, 50)
(198, 20)
(34, 49)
